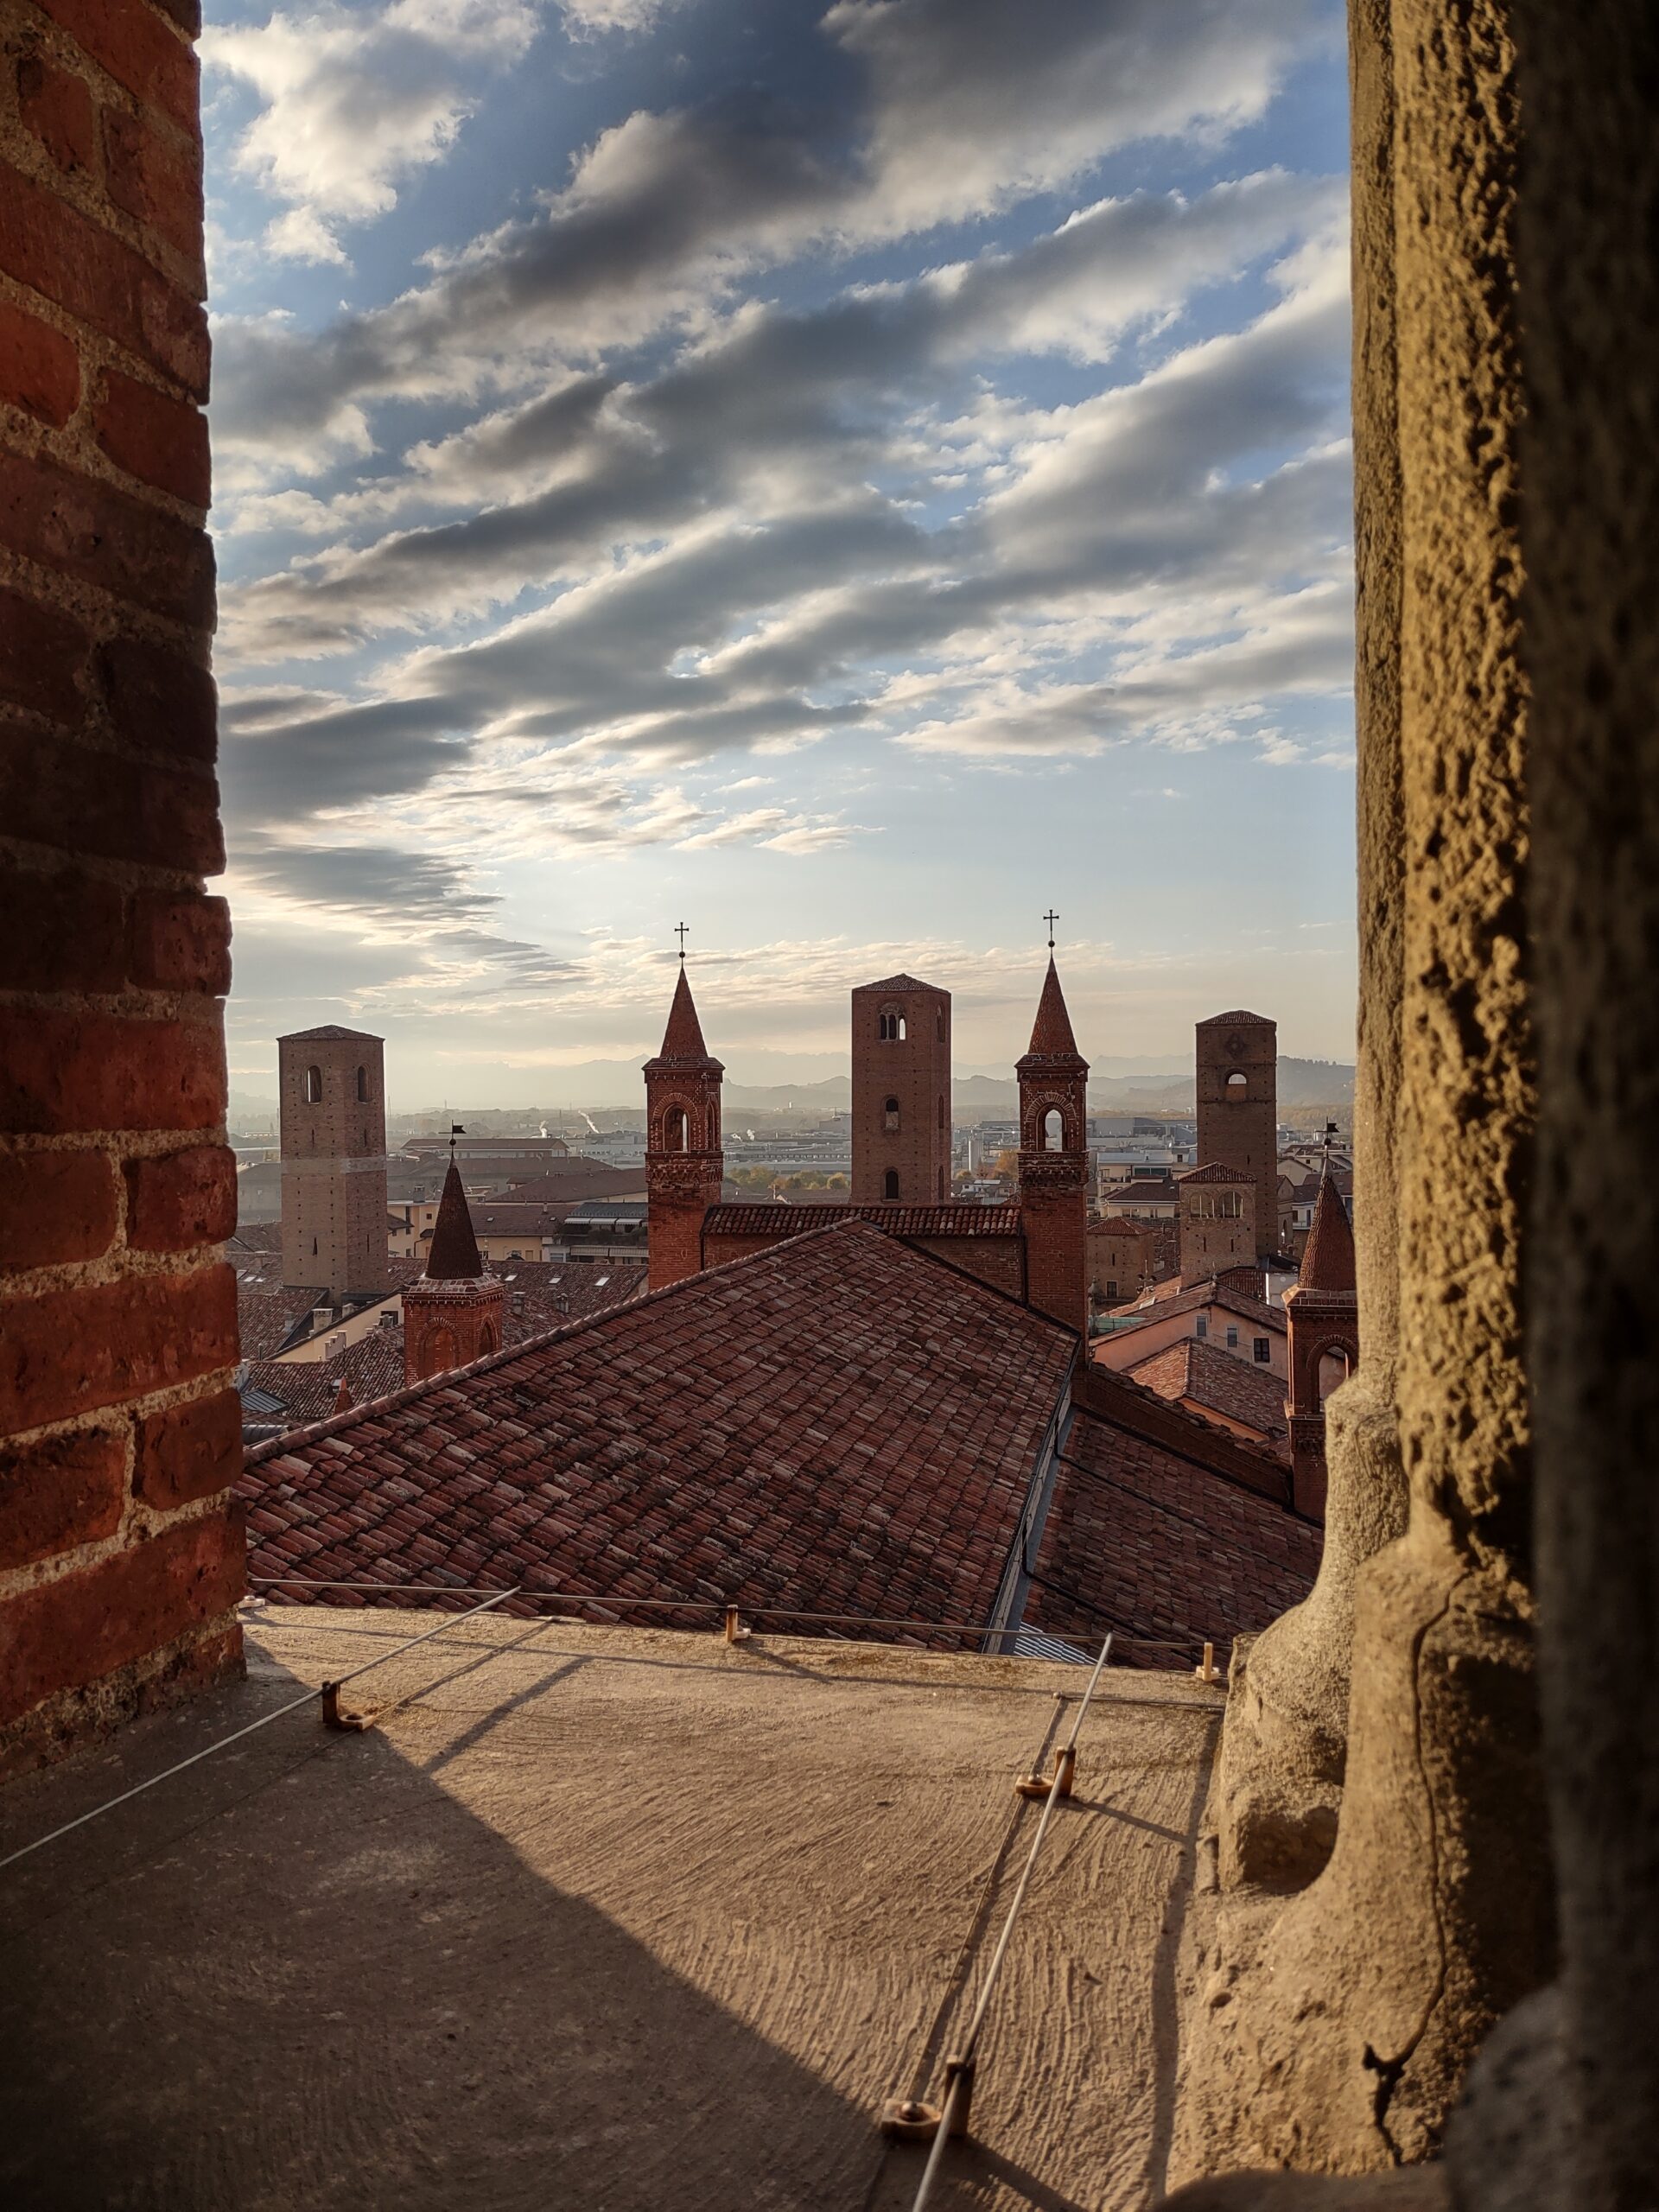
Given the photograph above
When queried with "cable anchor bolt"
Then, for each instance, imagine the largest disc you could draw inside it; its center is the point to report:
(1059, 1784)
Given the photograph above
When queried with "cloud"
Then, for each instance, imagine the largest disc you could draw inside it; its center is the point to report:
(953, 108)
(352, 101)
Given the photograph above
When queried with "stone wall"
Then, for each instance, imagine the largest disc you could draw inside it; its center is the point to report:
(120, 1552)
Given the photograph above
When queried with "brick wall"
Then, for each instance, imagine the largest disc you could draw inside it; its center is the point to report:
(1238, 1122)
(333, 1163)
(914, 1072)
(120, 1552)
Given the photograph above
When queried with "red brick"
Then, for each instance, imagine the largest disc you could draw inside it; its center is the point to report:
(179, 943)
(182, 1199)
(52, 247)
(63, 1352)
(190, 1451)
(61, 932)
(63, 1073)
(81, 800)
(187, 14)
(57, 109)
(123, 37)
(107, 537)
(163, 440)
(155, 181)
(41, 653)
(82, 1627)
(40, 370)
(55, 1206)
(60, 1492)
(159, 700)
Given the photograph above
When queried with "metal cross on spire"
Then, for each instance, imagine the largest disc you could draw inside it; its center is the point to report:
(1050, 917)
(681, 932)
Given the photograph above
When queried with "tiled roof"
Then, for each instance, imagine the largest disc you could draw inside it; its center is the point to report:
(1213, 1172)
(1207, 1376)
(964, 1219)
(1140, 1539)
(898, 983)
(837, 1424)
(305, 1390)
(1231, 1020)
(1328, 1260)
(603, 1209)
(682, 1045)
(254, 1236)
(1051, 1034)
(1117, 1225)
(329, 1030)
(1146, 1189)
(543, 1294)
(454, 1255)
(510, 1219)
(1165, 1299)
(266, 1313)
(580, 1178)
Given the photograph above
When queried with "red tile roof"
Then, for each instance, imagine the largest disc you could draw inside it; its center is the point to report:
(900, 982)
(1217, 1020)
(266, 1314)
(1213, 1171)
(1117, 1225)
(838, 1423)
(307, 1389)
(963, 1219)
(329, 1029)
(1208, 1377)
(1141, 1539)
(1172, 1296)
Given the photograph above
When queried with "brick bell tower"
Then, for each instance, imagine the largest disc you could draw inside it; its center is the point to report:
(333, 1132)
(1054, 1161)
(901, 1093)
(683, 1161)
(1236, 1067)
(452, 1313)
(1323, 1316)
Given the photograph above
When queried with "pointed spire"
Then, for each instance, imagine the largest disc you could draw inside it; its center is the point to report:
(1051, 1034)
(1328, 1260)
(454, 1256)
(683, 1043)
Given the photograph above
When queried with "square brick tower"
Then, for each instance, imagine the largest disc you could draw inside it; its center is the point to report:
(1054, 1161)
(685, 1161)
(333, 1128)
(901, 1093)
(1238, 1108)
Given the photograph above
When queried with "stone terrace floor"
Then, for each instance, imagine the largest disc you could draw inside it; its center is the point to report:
(620, 1919)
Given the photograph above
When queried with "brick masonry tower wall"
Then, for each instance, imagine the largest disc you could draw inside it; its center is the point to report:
(334, 1162)
(120, 1551)
(912, 1070)
(1238, 1122)
(1213, 1237)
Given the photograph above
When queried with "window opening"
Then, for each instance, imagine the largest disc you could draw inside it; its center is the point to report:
(1263, 1350)
(313, 1086)
(1201, 1326)
(1053, 1130)
(890, 1184)
(674, 1129)
(1232, 1339)
(1237, 1085)
(890, 1114)
(363, 1084)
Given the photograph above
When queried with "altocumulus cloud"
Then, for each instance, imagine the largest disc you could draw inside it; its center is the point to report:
(886, 414)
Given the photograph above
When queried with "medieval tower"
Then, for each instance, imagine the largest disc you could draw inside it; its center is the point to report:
(1054, 1161)
(683, 1158)
(1238, 1108)
(901, 1093)
(1322, 1313)
(452, 1313)
(333, 1128)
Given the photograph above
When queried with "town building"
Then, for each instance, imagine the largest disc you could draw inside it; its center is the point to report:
(1217, 1220)
(1238, 1077)
(332, 1121)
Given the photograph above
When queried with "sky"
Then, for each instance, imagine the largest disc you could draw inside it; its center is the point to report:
(847, 479)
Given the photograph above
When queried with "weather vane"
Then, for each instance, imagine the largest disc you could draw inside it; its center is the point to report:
(1050, 917)
(455, 1130)
(681, 931)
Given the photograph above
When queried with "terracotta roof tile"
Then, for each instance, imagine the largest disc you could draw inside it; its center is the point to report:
(1208, 1377)
(954, 1219)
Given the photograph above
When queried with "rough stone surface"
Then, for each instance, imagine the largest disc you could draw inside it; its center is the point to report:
(616, 1917)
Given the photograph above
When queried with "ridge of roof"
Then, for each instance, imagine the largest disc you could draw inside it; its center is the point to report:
(1213, 1171)
(949, 1217)
(1238, 1014)
(329, 1031)
(901, 983)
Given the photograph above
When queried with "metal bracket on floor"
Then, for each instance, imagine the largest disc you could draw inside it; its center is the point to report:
(334, 1718)
(735, 1631)
(908, 2120)
(1058, 1783)
(1207, 1670)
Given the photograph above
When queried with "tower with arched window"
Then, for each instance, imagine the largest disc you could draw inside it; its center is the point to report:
(1322, 1313)
(684, 1157)
(1237, 1072)
(332, 1122)
(901, 1093)
(451, 1312)
(1054, 1161)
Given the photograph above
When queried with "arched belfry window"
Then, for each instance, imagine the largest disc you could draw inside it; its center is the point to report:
(890, 1184)
(1053, 1130)
(1237, 1085)
(890, 1114)
(674, 1136)
(313, 1086)
(890, 1026)
(363, 1084)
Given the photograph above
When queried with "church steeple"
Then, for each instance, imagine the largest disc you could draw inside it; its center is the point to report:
(1322, 1318)
(683, 1160)
(1054, 1158)
(452, 1313)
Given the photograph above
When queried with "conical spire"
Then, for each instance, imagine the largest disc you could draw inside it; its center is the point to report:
(1328, 1260)
(1051, 1034)
(683, 1043)
(454, 1256)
